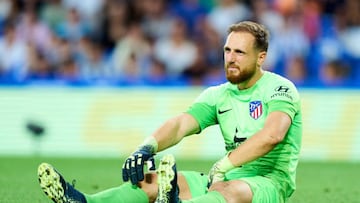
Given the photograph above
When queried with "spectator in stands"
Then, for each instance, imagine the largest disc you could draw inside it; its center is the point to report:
(5, 10)
(63, 50)
(177, 52)
(295, 70)
(350, 33)
(134, 48)
(289, 42)
(227, 12)
(156, 74)
(315, 31)
(68, 72)
(88, 10)
(92, 61)
(32, 30)
(116, 18)
(190, 11)
(74, 27)
(211, 42)
(157, 21)
(335, 73)
(39, 67)
(195, 73)
(262, 12)
(53, 13)
(13, 55)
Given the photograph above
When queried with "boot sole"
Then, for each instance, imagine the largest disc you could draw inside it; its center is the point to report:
(165, 176)
(50, 183)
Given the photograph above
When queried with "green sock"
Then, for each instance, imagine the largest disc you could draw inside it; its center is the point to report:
(212, 196)
(125, 193)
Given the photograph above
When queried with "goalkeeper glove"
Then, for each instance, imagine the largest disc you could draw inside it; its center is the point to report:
(133, 167)
(218, 170)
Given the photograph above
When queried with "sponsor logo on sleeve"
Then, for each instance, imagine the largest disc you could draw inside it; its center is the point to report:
(282, 88)
(282, 91)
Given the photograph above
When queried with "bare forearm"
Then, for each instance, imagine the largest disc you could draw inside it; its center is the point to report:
(167, 135)
(174, 130)
(255, 147)
(262, 142)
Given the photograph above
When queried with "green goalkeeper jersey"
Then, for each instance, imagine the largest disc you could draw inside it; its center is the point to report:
(241, 113)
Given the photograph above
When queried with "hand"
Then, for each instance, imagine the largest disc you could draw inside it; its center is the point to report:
(133, 168)
(218, 170)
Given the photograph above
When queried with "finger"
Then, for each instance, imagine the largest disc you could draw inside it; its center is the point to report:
(124, 172)
(218, 177)
(140, 168)
(133, 173)
(210, 181)
(128, 173)
(208, 185)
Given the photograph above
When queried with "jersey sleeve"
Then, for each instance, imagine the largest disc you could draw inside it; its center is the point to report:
(283, 106)
(204, 108)
(283, 97)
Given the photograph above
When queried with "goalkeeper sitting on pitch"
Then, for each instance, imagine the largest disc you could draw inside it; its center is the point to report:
(259, 115)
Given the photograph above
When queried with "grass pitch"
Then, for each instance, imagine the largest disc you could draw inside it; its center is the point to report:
(328, 182)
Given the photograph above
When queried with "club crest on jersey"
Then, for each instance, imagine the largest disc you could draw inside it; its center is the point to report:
(256, 109)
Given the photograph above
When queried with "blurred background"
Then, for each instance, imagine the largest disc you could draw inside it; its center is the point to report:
(173, 42)
(94, 77)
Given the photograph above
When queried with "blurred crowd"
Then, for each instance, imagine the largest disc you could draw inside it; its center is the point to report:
(314, 43)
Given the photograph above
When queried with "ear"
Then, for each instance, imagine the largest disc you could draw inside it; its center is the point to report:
(261, 57)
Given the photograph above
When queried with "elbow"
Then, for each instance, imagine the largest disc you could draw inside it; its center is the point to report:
(274, 134)
(274, 138)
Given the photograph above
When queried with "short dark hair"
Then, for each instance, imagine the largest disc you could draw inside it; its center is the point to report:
(259, 31)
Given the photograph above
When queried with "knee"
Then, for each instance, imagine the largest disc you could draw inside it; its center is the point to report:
(218, 186)
(234, 191)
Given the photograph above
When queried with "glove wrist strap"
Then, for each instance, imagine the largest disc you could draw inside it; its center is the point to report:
(225, 164)
(150, 144)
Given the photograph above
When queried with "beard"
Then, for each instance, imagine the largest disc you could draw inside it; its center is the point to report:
(240, 75)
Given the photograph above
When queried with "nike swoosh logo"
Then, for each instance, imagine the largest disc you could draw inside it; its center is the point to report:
(221, 112)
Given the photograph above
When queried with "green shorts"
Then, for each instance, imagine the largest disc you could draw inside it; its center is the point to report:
(196, 181)
(264, 190)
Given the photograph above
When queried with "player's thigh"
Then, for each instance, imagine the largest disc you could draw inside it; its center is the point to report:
(263, 189)
(192, 184)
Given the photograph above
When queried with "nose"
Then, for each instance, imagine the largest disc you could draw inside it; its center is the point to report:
(230, 57)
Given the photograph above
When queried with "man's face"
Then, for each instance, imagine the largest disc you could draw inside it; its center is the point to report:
(241, 58)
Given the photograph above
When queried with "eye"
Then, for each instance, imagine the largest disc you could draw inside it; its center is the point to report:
(238, 51)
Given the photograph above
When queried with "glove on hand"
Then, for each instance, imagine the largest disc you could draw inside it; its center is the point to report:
(133, 168)
(218, 170)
